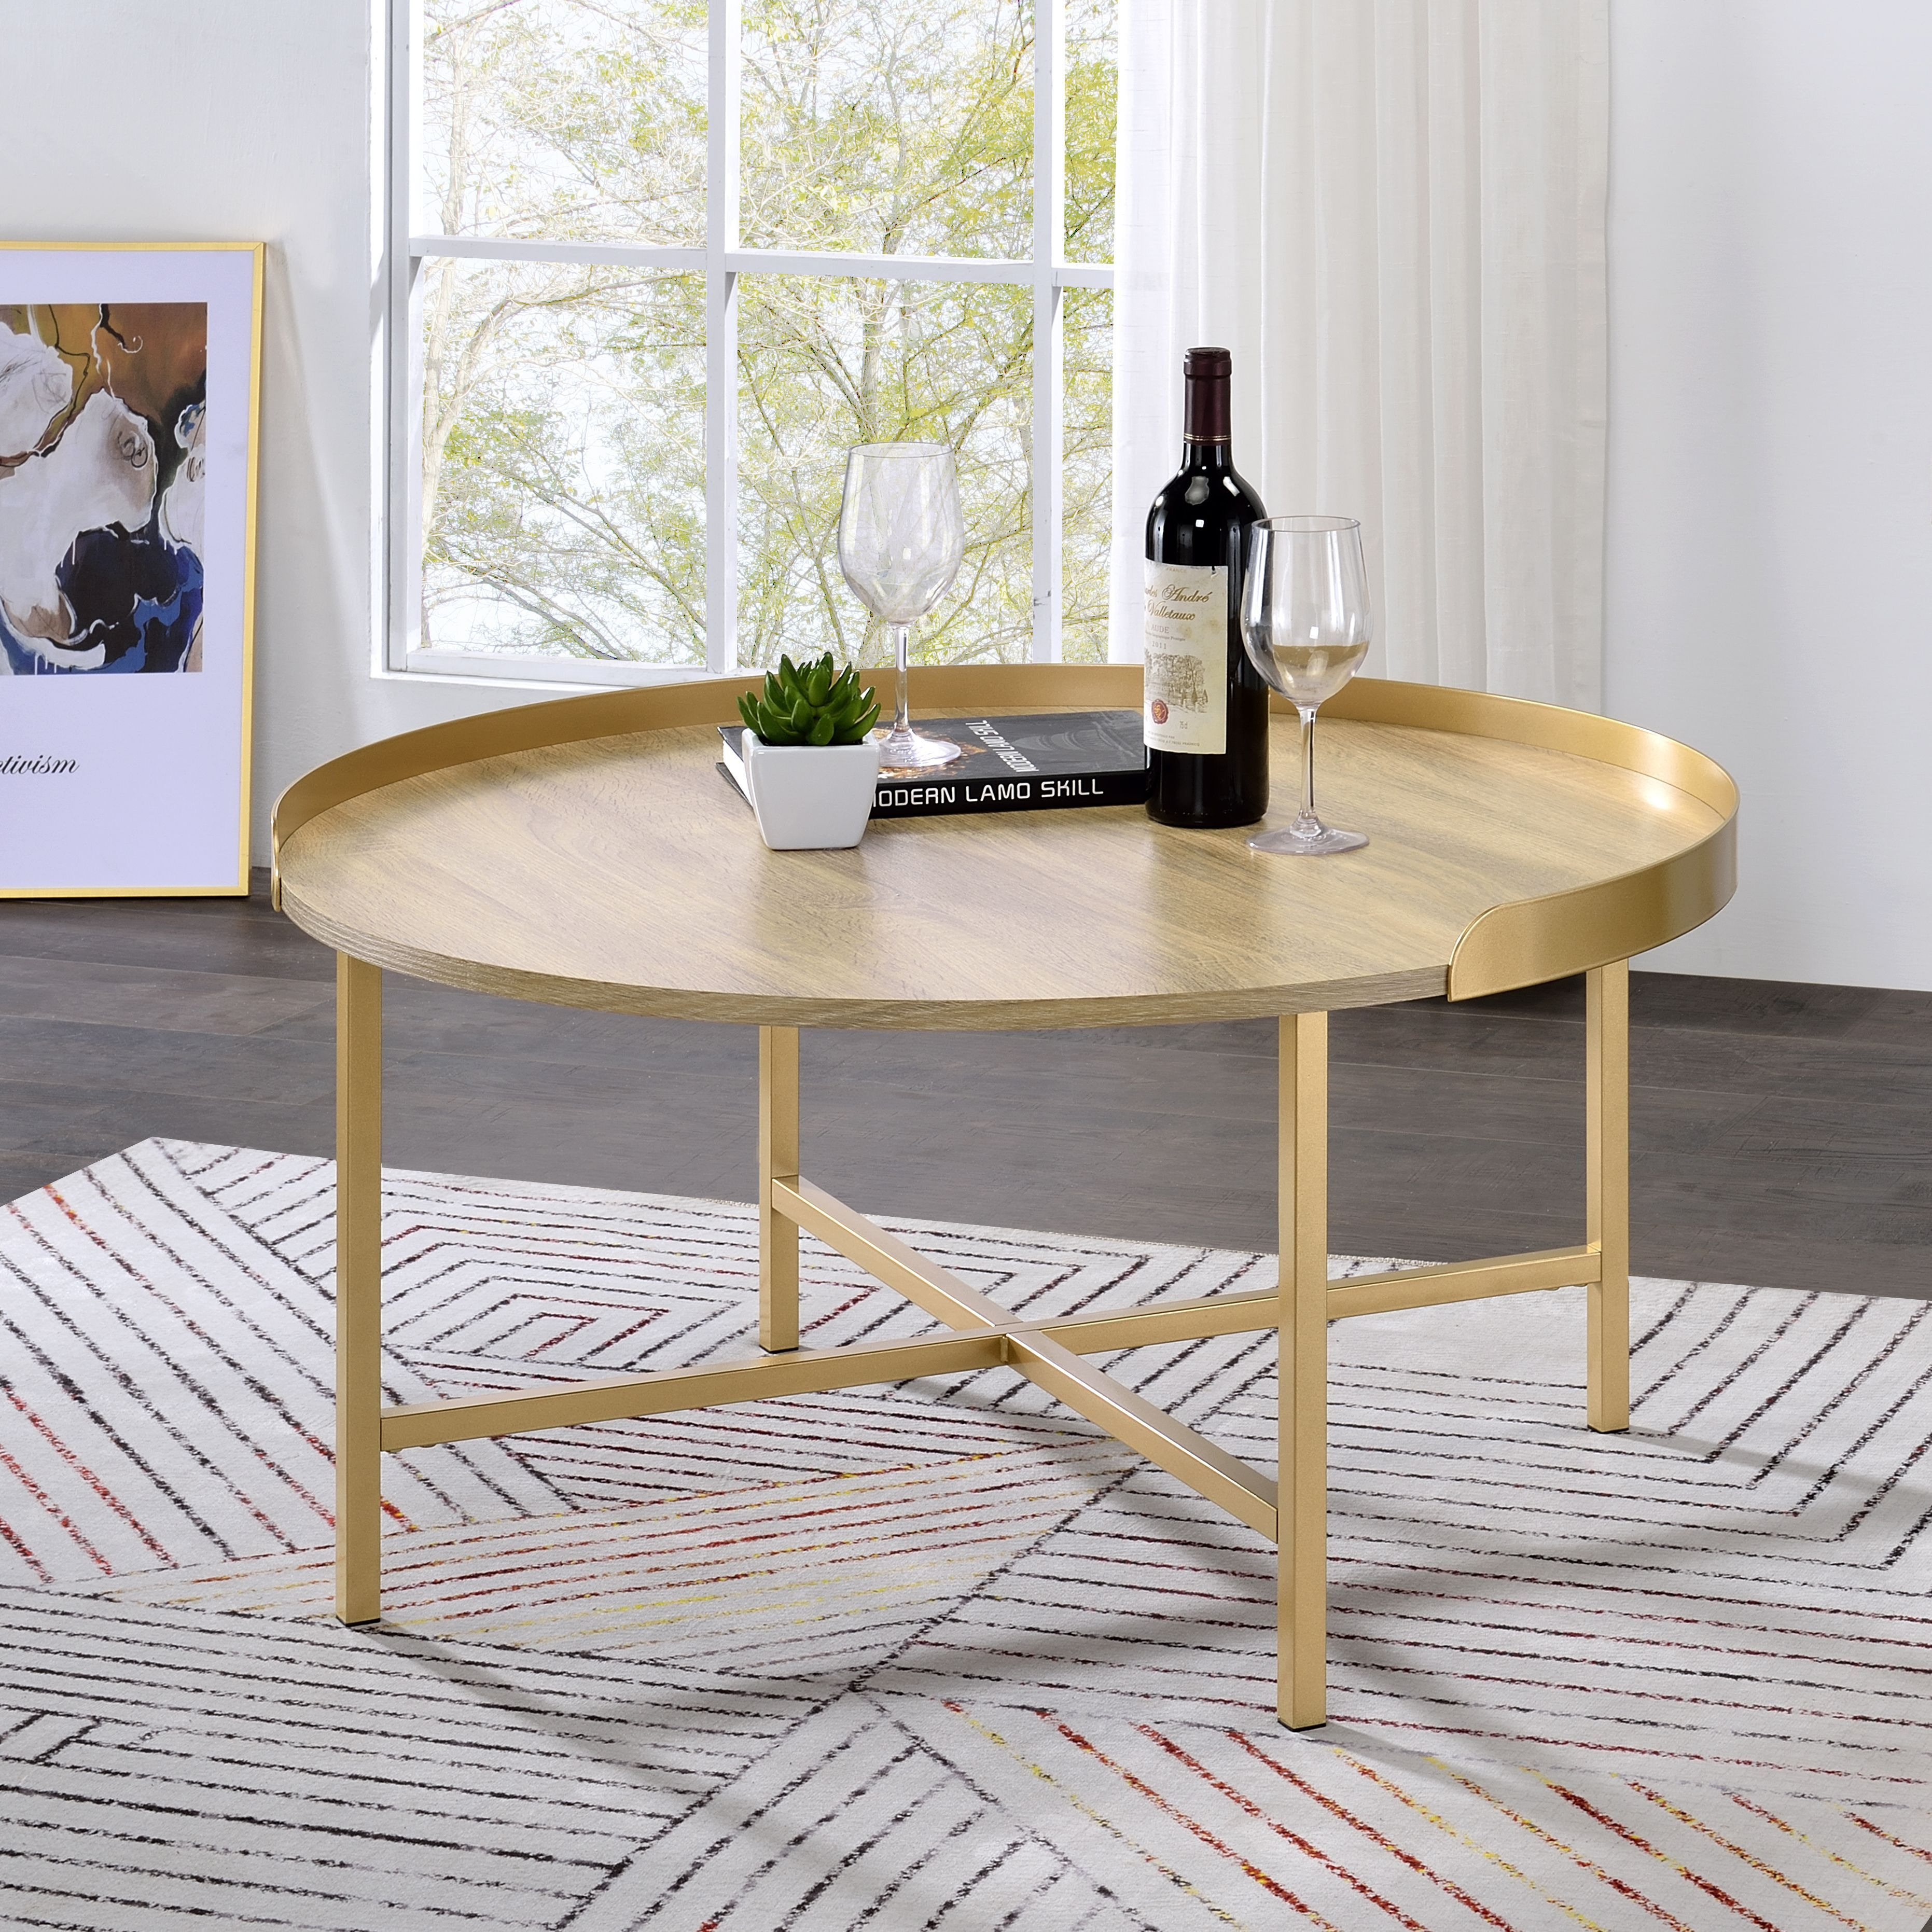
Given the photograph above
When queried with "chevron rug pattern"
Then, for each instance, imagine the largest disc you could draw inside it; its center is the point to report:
(935, 1656)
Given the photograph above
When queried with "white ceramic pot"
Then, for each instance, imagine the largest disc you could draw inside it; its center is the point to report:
(811, 797)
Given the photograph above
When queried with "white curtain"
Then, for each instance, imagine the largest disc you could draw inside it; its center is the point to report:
(1392, 212)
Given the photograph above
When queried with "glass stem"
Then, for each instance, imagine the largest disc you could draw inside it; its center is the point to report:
(1307, 816)
(901, 652)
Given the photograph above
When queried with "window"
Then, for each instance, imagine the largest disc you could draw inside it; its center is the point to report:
(662, 261)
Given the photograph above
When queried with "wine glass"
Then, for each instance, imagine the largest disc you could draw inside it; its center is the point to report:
(901, 537)
(1305, 621)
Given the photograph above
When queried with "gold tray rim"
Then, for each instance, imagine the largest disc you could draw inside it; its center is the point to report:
(1516, 942)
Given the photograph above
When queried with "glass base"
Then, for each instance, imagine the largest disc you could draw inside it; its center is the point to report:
(913, 751)
(1308, 838)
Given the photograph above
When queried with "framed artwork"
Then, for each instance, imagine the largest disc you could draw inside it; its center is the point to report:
(130, 377)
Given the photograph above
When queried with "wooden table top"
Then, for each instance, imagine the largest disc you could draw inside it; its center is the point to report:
(618, 870)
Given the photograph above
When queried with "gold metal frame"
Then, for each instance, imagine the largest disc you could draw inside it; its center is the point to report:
(980, 1333)
(1593, 930)
(259, 250)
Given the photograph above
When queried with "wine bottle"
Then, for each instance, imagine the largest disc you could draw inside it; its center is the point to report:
(1206, 707)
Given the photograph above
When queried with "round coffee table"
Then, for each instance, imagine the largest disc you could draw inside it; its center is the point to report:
(586, 852)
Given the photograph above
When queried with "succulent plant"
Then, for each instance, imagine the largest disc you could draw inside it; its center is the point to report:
(814, 703)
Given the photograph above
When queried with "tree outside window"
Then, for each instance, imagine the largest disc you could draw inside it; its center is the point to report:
(571, 176)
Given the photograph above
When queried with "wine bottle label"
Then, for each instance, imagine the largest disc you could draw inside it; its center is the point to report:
(1186, 657)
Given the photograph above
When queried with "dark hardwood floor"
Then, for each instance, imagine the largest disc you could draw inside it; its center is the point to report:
(1782, 1134)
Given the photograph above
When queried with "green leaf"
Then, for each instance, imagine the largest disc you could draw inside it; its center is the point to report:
(818, 684)
(821, 730)
(745, 711)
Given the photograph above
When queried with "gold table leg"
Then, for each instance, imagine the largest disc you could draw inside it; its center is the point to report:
(1607, 1230)
(1302, 1561)
(358, 1291)
(778, 1160)
(1294, 1509)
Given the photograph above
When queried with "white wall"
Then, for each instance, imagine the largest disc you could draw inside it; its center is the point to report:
(1770, 546)
(1770, 565)
(246, 120)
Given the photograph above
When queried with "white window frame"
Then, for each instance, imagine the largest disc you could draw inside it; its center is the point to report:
(721, 261)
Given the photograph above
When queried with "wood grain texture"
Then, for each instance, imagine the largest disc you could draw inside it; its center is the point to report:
(622, 873)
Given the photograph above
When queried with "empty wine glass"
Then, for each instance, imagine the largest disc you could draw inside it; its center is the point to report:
(1305, 622)
(901, 538)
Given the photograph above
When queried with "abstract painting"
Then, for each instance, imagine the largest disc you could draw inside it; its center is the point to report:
(129, 382)
(103, 409)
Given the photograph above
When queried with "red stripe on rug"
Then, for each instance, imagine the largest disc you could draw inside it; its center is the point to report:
(1623, 1832)
(1207, 1837)
(1348, 1817)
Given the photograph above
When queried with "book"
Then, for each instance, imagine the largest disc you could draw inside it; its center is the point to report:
(1046, 761)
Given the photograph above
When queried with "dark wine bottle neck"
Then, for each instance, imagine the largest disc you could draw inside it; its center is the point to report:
(1206, 414)
(1199, 454)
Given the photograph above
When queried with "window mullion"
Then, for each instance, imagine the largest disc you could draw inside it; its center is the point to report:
(489, 248)
(402, 445)
(1049, 247)
(414, 265)
(721, 341)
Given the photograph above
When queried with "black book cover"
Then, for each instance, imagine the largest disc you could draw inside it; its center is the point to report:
(1046, 761)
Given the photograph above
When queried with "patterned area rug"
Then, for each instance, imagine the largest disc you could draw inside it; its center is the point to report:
(936, 1655)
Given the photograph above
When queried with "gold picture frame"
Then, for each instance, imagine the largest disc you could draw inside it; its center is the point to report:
(144, 785)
